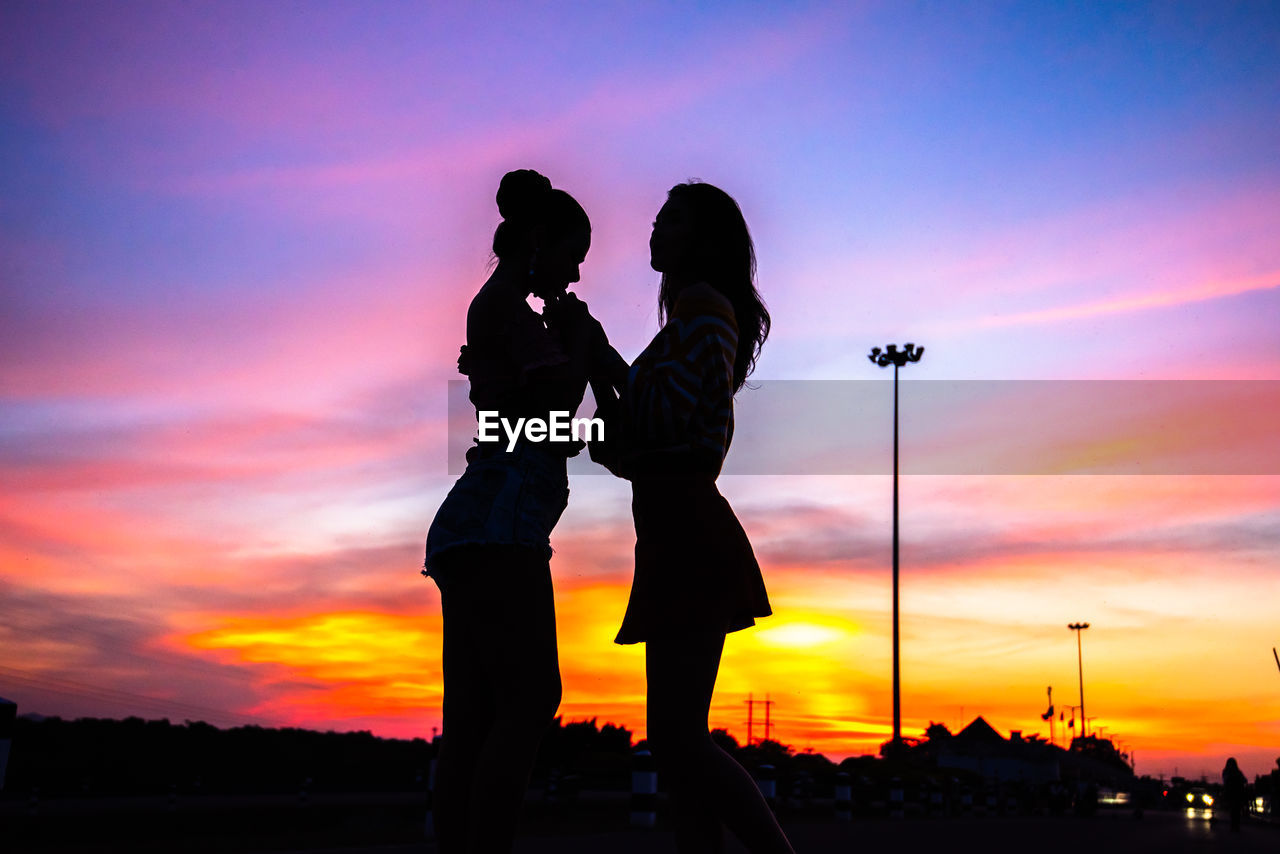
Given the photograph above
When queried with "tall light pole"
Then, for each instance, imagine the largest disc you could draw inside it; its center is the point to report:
(1078, 628)
(899, 359)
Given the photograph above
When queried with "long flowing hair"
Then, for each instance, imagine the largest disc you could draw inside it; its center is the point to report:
(725, 258)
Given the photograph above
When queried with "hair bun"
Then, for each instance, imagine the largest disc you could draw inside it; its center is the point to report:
(521, 193)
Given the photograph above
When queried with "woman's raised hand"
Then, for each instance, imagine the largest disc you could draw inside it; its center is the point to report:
(569, 316)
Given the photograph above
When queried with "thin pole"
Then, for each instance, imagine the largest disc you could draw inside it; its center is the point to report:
(897, 697)
(1084, 726)
(750, 707)
(891, 355)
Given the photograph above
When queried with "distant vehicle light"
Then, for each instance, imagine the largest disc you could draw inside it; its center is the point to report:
(1208, 800)
(1190, 797)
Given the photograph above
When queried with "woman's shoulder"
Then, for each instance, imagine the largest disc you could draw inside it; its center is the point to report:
(495, 310)
(703, 296)
(703, 300)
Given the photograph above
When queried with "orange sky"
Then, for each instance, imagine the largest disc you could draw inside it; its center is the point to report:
(237, 256)
(1177, 660)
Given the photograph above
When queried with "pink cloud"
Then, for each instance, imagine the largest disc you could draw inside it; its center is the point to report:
(251, 448)
(310, 344)
(619, 99)
(1210, 290)
(85, 61)
(1121, 256)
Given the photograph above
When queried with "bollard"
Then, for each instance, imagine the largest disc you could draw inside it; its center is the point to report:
(644, 789)
(302, 791)
(429, 827)
(935, 803)
(173, 797)
(802, 791)
(896, 799)
(844, 798)
(33, 803)
(993, 804)
(966, 802)
(8, 721)
(767, 780)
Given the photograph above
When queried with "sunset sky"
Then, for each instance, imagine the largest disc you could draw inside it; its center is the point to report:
(238, 241)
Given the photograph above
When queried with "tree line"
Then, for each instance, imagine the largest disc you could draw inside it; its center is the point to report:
(133, 756)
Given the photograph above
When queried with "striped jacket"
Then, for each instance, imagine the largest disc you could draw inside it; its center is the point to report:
(680, 388)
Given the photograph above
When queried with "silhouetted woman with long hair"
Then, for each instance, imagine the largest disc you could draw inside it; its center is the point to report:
(1233, 791)
(488, 548)
(696, 577)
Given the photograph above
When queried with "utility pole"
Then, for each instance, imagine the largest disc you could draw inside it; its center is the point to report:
(751, 704)
(899, 359)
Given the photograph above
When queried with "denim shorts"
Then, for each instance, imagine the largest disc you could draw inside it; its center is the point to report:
(507, 498)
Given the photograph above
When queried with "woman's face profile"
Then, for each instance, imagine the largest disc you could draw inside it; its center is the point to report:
(557, 264)
(671, 244)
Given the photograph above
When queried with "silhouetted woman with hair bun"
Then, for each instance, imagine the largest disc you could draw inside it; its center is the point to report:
(669, 422)
(488, 548)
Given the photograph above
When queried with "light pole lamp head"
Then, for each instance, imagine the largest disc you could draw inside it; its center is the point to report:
(891, 355)
(1077, 626)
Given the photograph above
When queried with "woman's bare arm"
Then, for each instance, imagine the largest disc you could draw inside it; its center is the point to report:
(608, 368)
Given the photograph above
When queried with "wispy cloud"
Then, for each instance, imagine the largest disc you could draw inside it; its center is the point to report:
(1201, 292)
(622, 98)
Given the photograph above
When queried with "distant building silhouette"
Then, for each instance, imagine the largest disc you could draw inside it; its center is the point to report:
(979, 748)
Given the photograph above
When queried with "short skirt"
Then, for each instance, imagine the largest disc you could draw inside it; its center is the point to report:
(504, 498)
(695, 569)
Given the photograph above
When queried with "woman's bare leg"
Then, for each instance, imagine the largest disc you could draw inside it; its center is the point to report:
(524, 677)
(508, 609)
(706, 782)
(468, 716)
